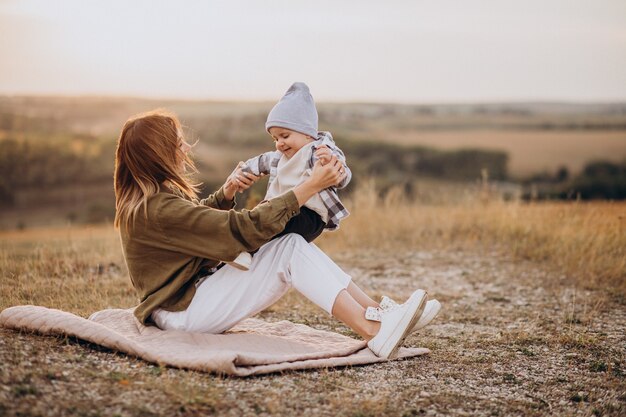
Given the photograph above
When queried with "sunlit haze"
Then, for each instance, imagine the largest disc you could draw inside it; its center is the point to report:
(400, 51)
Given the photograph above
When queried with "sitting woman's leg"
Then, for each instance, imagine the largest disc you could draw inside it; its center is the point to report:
(384, 337)
(313, 273)
(363, 299)
(349, 311)
(230, 295)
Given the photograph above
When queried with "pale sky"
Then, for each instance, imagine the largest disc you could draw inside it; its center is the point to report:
(415, 51)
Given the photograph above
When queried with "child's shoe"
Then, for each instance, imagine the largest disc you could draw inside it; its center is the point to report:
(396, 323)
(431, 310)
(242, 261)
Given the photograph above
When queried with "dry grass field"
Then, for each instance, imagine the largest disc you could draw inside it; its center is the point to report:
(530, 152)
(534, 318)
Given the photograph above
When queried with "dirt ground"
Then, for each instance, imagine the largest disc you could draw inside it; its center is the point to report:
(512, 339)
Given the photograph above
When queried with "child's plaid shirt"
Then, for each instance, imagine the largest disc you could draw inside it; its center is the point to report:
(267, 163)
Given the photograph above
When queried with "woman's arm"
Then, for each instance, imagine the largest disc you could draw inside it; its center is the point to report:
(219, 234)
(322, 177)
(222, 199)
(206, 232)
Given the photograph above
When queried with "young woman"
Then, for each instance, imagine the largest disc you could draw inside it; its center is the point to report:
(171, 244)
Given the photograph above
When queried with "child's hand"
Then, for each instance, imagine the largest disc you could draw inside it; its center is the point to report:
(243, 180)
(323, 154)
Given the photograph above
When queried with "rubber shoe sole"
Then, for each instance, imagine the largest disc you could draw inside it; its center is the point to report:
(428, 315)
(403, 326)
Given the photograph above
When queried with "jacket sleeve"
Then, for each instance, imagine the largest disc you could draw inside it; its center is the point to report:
(260, 164)
(218, 201)
(340, 156)
(206, 232)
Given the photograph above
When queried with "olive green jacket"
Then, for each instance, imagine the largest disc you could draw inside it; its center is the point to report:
(165, 250)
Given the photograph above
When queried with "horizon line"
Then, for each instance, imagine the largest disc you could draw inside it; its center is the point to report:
(553, 101)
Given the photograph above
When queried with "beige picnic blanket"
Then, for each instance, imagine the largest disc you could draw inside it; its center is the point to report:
(253, 347)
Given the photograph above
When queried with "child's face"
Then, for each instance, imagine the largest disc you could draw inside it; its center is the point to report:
(288, 142)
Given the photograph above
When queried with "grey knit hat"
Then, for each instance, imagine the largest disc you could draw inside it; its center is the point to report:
(295, 111)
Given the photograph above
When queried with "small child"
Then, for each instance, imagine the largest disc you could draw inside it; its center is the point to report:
(292, 123)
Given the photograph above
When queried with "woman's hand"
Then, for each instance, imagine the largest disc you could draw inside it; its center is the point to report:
(238, 181)
(230, 188)
(322, 176)
(329, 174)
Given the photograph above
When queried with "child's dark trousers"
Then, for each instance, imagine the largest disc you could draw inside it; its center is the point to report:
(307, 224)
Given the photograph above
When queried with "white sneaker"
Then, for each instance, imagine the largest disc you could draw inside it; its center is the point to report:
(242, 261)
(396, 324)
(431, 310)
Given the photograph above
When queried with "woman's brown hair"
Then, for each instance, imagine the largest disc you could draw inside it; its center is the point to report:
(148, 155)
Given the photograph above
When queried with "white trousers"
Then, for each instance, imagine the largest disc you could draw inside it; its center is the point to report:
(228, 296)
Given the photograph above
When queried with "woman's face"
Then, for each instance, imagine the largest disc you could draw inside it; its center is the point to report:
(288, 142)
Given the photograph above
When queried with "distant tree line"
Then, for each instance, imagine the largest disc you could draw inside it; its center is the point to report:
(598, 180)
(603, 180)
(36, 164)
(397, 162)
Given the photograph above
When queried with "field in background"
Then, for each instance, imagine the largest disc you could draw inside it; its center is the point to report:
(589, 130)
(533, 319)
(537, 136)
(530, 152)
(584, 243)
(56, 154)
